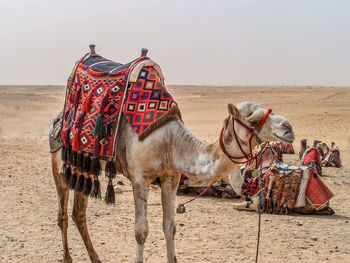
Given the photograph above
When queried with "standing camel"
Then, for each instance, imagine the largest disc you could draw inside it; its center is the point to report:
(166, 153)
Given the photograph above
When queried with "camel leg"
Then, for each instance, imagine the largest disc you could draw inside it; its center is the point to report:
(63, 195)
(79, 218)
(169, 188)
(140, 191)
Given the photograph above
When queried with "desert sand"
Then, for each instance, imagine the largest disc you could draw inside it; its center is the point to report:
(210, 230)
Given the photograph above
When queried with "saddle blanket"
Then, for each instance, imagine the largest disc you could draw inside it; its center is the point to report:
(288, 186)
(99, 90)
(279, 185)
(311, 154)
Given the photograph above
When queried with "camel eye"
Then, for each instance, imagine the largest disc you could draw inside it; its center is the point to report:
(254, 122)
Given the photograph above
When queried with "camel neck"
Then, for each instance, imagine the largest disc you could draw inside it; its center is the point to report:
(198, 160)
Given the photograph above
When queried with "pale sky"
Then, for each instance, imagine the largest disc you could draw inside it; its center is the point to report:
(233, 42)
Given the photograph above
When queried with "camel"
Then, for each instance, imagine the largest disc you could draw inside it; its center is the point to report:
(166, 153)
(312, 157)
(254, 203)
(322, 149)
(331, 157)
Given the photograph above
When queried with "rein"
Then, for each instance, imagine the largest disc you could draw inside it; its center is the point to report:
(249, 157)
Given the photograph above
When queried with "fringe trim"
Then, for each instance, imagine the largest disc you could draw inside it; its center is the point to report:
(96, 189)
(110, 173)
(67, 173)
(74, 156)
(110, 194)
(95, 167)
(88, 185)
(73, 180)
(80, 161)
(75, 142)
(173, 114)
(80, 184)
(86, 165)
(64, 154)
(110, 170)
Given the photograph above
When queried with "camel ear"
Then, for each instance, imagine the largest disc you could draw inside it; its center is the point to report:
(232, 110)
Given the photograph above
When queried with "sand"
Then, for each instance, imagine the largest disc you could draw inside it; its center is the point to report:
(210, 230)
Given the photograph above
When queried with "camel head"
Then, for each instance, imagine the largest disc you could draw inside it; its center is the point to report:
(251, 114)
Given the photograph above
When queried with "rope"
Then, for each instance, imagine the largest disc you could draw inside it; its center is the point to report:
(182, 205)
(259, 207)
(258, 239)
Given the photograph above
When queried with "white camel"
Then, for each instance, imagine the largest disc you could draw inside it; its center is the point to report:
(166, 153)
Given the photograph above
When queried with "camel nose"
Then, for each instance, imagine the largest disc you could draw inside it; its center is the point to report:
(288, 133)
(287, 126)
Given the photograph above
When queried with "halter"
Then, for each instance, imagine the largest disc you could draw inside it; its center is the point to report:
(249, 157)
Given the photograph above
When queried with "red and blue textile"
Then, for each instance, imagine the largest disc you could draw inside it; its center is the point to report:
(94, 102)
(281, 185)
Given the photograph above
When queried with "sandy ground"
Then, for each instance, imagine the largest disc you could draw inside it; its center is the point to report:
(210, 230)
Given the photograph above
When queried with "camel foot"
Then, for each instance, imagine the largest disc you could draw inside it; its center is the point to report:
(330, 211)
(67, 259)
(327, 211)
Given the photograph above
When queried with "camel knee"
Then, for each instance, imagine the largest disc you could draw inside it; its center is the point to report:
(169, 227)
(62, 220)
(141, 234)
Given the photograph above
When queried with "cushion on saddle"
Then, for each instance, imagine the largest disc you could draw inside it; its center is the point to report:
(100, 64)
(95, 96)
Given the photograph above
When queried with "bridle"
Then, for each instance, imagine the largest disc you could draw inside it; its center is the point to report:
(249, 157)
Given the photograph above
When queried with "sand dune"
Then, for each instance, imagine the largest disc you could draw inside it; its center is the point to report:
(210, 230)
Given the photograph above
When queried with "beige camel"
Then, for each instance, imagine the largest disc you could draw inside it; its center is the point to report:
(166, 153)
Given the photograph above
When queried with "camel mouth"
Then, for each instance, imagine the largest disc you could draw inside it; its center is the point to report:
(284, 139)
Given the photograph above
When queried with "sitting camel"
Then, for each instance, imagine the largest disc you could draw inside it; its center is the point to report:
(166, 153)
(312, 157)
(302, 205)
(332, 157)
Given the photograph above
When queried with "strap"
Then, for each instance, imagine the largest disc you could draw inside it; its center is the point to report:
(263, 119)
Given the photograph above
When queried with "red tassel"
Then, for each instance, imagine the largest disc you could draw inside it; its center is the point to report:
(103, 149)
(104, 103)
(86, 104)
(79, 121)
(96, 151)
(75, 142)
(77, 97)
(66, 139)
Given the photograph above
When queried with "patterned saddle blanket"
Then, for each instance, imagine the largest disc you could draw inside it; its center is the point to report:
(278, 187)
(99, 93)
(99, 90)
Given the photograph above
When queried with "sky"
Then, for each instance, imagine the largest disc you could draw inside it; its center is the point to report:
(196, 42)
